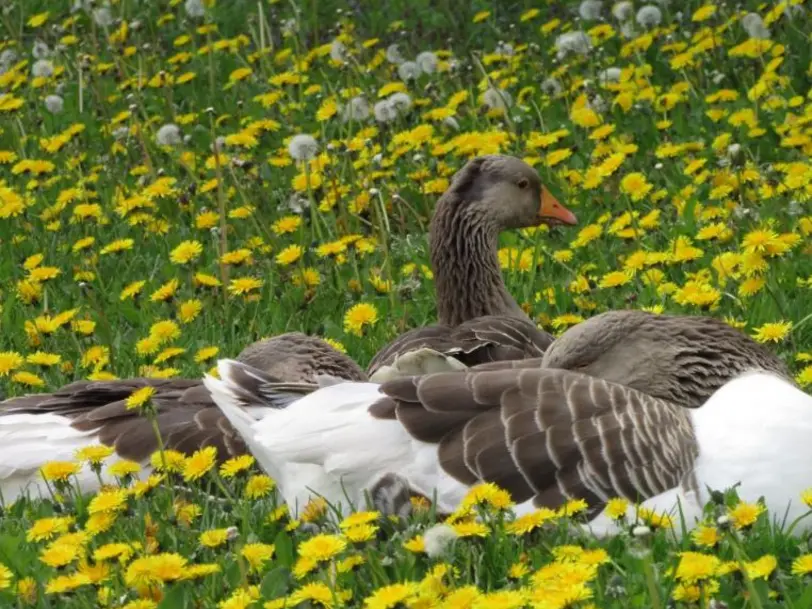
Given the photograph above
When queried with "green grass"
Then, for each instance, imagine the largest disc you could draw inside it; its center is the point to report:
(755, 271)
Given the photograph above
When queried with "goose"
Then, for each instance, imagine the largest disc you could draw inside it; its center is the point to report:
(479, 321)
(36, 429)
(710, 409)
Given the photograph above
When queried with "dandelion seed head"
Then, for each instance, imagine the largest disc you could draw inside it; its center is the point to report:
(450, 121)
(42, 68)
(54, 104)
(753, 24)
(505, 48)
(40, 50)
(356, 110)
(497, 99)
(649, 16)
(168, 135)
(623, 11)
(609, 75)
(572, 43)
(303, 147)
(408, 70)
(590, 10)
(103, 17)
(338, 51)
(438, 539)
(194, 8)
(393, 54)
(427, 61)
(384, 111)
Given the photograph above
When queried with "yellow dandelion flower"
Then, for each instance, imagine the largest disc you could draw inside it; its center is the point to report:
(200, 463)
(360, 316)
(744, 514)
(140, 397)
(773, 332)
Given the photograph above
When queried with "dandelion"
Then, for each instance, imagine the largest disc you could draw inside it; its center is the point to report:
(590, 10)
(438, 539)
(800, 566)
(497, 99)
(356, 110)
(303, 147)
(200, 463)
(744, 514)
(194, 8)
(427, 61)
(577, 43)
(773, 332)
(409, 70)
(358, 317)
(186, 252)
(649, 16)
(54, 104)
(169, 135)
(623, 11)
(393, 54)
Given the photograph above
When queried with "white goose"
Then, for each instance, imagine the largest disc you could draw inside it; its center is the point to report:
(718, 410)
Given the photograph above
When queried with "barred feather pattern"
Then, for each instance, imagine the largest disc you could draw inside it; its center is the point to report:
(547, 435)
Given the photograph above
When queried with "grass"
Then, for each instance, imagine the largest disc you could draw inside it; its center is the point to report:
(689, 175)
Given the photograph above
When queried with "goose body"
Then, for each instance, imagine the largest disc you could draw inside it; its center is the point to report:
(478, 319)
(39, 428)
(545, 435)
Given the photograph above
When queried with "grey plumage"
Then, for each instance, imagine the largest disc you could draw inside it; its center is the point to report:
(603, 413)
(479, 321)
(187, 417)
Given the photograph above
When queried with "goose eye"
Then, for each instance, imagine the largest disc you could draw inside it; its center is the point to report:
(523, 183)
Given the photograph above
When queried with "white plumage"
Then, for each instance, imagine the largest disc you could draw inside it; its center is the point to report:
(29, 441)
(755, 431)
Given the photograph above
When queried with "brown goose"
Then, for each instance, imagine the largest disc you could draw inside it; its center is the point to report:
(547, 434)
(479, 321)
(38, 428)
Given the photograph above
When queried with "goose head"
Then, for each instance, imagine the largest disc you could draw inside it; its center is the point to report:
(488, 195)
(298, 357)
(505, 193)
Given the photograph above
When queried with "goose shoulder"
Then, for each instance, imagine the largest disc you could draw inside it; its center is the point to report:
(491, 338)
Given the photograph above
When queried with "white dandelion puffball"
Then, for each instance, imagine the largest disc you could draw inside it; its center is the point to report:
(121, 133)
(393, 54)
(169, 135)
(590, 10)
(450, 121)
(497, 99)
(551, 86)
(609, 75)
(103, 17)
(505, 48)
(623, 11)
(649, 16)
(356, 110)
(384, 111)
(438, 539)
(40, 50)
(753, 24)
(54, 104)
(427, 61)
(572, 42)
(408, 70)
(194, 8)
(42, 68)
(402, 102)
(338, 51)
(303, 147)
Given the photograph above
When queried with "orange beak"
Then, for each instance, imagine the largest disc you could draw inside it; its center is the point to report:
(552, 212)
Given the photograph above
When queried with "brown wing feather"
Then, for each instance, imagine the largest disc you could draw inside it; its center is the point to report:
(547, 434)
(187, 418)
(484, 339)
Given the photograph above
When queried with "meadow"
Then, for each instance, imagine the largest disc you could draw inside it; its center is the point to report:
(179, 178)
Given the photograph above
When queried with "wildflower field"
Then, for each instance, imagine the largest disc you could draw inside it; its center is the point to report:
(179, 178)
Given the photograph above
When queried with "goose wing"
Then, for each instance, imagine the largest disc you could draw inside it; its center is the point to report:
(187, 418)
(484, 339)
(546, 435)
